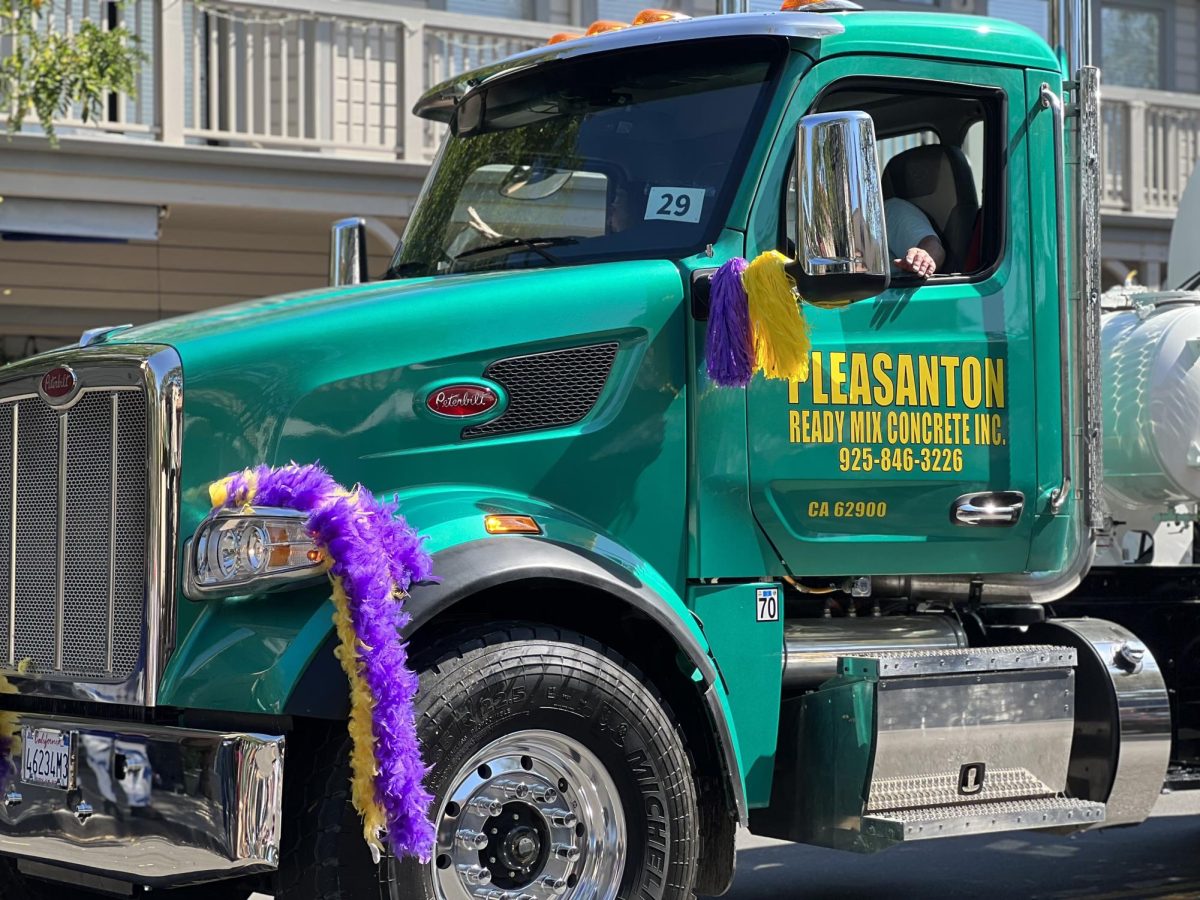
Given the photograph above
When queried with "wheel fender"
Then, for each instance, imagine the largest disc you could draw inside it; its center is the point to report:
(467, 560)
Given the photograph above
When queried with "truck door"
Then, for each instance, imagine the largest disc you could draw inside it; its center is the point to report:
(924, 395)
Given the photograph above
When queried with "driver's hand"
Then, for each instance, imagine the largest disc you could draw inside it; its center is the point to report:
(917, 261)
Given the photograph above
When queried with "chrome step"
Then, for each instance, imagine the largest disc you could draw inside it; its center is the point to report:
(980, 818)
(907, 663)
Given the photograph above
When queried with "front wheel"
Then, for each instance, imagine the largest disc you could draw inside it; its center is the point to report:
(556, 772)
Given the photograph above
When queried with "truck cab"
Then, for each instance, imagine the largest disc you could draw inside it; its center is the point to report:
(663, 608)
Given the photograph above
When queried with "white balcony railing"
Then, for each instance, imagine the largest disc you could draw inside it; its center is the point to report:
(341, 77)
(1150, 144)
(336, 76)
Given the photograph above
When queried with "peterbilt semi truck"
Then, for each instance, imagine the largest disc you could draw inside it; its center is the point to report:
(854, 609)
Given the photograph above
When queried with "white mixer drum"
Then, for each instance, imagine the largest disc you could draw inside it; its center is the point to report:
(1151, 384)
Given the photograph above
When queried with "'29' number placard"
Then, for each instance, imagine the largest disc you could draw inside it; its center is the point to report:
(675, 204)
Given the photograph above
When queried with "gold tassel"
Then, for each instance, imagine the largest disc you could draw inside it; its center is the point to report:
(781, 341)
(362, 735)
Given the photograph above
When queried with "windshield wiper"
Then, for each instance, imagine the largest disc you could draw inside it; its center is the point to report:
(537, 245)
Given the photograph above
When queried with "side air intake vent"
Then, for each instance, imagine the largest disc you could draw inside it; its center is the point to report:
(547, 390)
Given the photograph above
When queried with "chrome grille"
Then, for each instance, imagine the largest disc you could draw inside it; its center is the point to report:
(73, 492)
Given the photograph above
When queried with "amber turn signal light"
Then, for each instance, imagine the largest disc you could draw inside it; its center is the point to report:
(600, 26)
(562, 36)
(650, 16)
(511, 525)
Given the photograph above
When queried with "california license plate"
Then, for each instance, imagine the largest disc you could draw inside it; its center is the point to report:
(46, 757)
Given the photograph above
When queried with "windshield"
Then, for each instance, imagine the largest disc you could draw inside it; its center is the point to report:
(624, 156)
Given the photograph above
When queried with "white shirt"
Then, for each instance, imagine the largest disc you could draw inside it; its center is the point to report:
(907, 226)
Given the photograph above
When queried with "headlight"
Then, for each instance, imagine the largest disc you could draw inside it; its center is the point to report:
(245, 551)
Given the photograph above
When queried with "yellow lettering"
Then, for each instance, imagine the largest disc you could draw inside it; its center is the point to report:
(950, 364)
(837, 377)
(794, 426)
(793, 391)
(983, 428)
(881, 365)
(930, 388)
(891, 428)
(818, 389)
(972, 382)
(860, 381)
(994, 379)
(906, 388)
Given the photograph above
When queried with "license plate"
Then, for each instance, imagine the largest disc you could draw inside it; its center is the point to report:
(46, 757)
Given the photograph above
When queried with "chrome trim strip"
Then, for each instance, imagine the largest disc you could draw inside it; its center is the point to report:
(12, 547)
(112, 531)
(155, 370)
(1088, 254)
(163, 375)
(60, 588)
(187, 805)
(1050, 100)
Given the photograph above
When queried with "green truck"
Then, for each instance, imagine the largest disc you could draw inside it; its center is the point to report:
(853, 610)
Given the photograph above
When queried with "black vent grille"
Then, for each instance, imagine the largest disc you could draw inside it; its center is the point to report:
(547, 390)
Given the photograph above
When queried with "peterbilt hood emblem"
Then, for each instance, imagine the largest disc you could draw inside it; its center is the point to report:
(458, 401)
(58, 385)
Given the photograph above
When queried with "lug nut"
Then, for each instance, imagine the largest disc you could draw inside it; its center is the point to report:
(566, 851)
(475, 874)
(489, 806)
(554, 885)
(544, 794)
(517, 789)
(564, 819)
(473, 840)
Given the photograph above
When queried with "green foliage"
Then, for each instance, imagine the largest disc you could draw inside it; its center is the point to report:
(45, 71)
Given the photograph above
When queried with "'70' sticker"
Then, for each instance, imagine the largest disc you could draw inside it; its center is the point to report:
(767, 607)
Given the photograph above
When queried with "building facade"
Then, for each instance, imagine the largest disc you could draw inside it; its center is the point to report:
(258, 122)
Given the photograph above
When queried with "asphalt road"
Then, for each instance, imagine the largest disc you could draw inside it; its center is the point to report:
(1157, 859)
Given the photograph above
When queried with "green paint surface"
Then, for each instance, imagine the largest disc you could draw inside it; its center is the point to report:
(670, 477)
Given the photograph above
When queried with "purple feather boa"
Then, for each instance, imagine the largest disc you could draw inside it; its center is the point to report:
(730, 351)
(377, 556)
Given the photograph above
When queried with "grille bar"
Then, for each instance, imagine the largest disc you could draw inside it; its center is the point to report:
(14, 412)
(59, 611)
(112, 537)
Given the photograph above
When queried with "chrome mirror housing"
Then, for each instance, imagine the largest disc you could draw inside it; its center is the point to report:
(348, 252)
(841, 243)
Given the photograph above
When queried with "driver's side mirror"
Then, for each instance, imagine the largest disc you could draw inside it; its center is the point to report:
(841, 238)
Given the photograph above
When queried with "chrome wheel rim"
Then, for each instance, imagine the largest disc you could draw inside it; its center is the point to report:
(534, 815)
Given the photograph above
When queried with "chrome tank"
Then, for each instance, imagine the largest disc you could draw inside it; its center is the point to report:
(1151, 388)
(813, 646)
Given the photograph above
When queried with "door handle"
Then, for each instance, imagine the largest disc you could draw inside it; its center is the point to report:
(988, 509)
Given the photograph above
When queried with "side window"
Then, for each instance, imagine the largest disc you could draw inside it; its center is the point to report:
(942, 162)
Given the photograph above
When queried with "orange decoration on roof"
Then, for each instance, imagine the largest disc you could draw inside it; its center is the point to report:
(602, 25)
(563, 36)
(650, 16)
(789, 5)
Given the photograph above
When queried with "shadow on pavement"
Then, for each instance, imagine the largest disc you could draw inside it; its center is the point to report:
(1158, 859)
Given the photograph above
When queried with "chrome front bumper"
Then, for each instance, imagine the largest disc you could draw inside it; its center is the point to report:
(150, 805)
